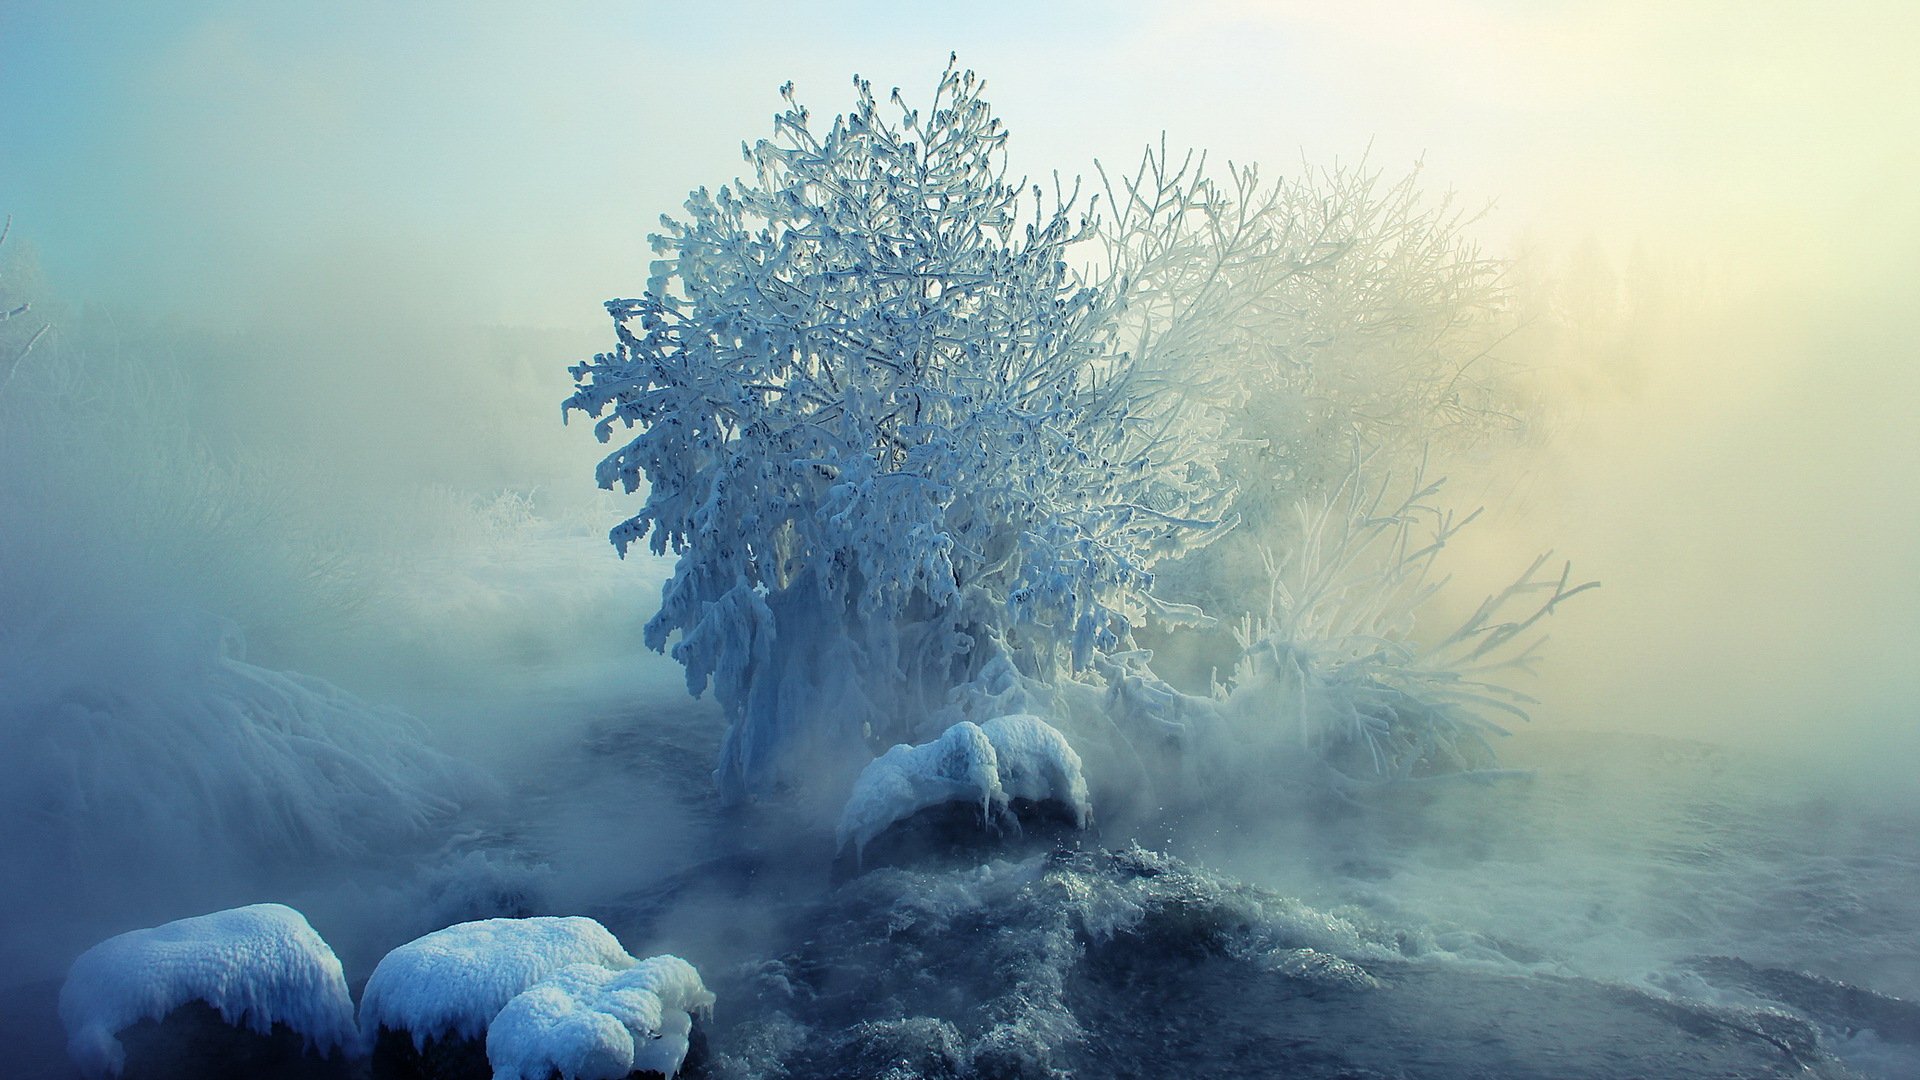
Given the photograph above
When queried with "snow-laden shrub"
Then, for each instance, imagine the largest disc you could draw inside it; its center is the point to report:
(1335, 665)
(889, 432)
(257, 966)
(149, 765)
(123, 737)
(1346, 679)
(589, 1022)
(155, 756)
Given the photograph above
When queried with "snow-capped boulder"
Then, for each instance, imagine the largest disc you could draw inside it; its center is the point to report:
(450, 984)
(589, 1022)
(957, 767)
(258, 966)
(1009, 757)
(1035, 762)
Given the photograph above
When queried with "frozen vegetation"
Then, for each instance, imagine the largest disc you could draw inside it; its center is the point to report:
(916, 469)
(1334, 666)
(259, 966)
(890, 435)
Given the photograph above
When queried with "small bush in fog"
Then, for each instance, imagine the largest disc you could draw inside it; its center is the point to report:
(1335, 663)
(136, 565)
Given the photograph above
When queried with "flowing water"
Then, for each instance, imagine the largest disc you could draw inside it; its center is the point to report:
(1614, 906)
(1618, 906)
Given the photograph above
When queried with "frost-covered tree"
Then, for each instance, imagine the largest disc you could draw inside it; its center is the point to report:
(1321, 307)
(891, 435)
(1315, 310)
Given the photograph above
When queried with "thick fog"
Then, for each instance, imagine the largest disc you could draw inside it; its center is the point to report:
(311, 284)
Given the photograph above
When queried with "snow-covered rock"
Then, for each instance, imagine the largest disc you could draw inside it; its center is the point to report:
(1035, 762)
(453, 982)
(258, 966)
(1006, 758)
(957, 767)
(589, 1022)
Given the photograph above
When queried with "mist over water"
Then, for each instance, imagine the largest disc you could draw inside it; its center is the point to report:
(290, 450)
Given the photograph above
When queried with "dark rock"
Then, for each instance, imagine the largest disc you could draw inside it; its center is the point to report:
(956, 835)
(449, 1058)
(1135, 964)
(193, 1043)
(454, 1058)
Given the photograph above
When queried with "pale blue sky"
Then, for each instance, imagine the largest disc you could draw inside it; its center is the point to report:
(214, 152)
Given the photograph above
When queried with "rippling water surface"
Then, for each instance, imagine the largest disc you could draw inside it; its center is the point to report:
(1621, 906)
(1617, 906)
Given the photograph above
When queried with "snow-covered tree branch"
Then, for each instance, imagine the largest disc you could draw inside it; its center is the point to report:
(1335, 660)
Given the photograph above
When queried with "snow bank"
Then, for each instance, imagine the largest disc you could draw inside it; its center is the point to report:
(455, 981)
(1009, 757)
(589, 1022)
(259, 966)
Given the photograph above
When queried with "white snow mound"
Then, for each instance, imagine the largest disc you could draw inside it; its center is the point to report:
(259, 966)
(589, 1022)
(455, 981)
(1036, 762)
(1009, 757)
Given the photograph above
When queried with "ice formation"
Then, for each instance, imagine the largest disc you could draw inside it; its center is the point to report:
(259, 966)
(590, 1022)
(990, 764)
(455, 981)
(1012, 940)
